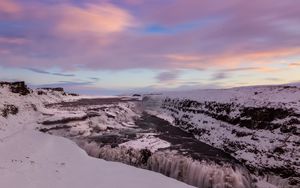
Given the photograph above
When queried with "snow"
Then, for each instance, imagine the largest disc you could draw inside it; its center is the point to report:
(148, 141)
(256, 146)
(30, 159)
(248, 96)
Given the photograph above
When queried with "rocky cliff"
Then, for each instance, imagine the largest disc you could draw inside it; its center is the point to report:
(260, 126)
(16, 87)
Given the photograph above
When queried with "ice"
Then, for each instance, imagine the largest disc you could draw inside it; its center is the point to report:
(147, 141)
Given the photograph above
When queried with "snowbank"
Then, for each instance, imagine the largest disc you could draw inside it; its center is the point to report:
(33, 160)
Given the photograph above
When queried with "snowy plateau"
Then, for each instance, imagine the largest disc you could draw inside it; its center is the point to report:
(227, 138)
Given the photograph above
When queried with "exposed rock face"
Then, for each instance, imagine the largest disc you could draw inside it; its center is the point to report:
(54, 89)
(17, 87)
(44, 91)
(260, 129)
(236, 114)
(251, 119)
(8, 109)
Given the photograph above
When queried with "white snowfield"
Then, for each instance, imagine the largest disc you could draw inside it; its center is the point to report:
(30, 159)
(259, 96)
(33, 160)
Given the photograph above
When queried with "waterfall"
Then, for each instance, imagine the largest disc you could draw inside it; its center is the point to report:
(200, 174)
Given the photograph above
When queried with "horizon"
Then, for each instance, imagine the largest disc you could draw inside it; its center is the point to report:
(114, 47)
(143, 91)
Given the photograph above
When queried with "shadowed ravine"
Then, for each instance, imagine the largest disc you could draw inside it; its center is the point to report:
(187, 159)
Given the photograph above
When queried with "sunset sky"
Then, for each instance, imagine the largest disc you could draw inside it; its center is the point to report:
(113, 46)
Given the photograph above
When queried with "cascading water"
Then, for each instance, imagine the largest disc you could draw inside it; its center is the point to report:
(185, 158)
(201, 174)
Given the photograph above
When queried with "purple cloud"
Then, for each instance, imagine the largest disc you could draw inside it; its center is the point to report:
(168, 76)
(224, 35)
(49, 73)
(220, 76)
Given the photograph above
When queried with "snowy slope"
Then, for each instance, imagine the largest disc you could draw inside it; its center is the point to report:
(33, 160)
(30, 159)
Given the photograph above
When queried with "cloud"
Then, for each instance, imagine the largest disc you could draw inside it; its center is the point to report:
(273, 79)
(94, 78)
(168, 76)
(12, 41)
(184, 58)
(294, 64)
(38, 71)
(93, 19)
(62, 74)
(65, 84)
(219, 76)
(249, 69)
(8, 7)
(241, 69)
(134, 2)
(110, 36)
(49, 73)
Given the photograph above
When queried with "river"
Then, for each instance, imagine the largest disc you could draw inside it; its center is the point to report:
(185, 159)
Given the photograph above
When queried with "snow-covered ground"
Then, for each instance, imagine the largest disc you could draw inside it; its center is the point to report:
(258, 125)
(213, 116)
(284, 96)
(30, 159)
(91, 123)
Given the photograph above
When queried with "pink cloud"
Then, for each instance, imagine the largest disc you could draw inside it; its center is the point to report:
(8, 7)
(134, 2)
(107, 36)
(12, 40)
(95, 19)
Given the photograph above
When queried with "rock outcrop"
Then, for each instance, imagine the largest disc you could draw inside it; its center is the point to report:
(260, 126)
(17, 87)
(8, 109)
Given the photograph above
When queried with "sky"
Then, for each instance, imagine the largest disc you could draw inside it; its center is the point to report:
(117, 46)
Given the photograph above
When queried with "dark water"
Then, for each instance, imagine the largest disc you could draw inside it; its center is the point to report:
(182, 141)
(195, 162)
(187, 165)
